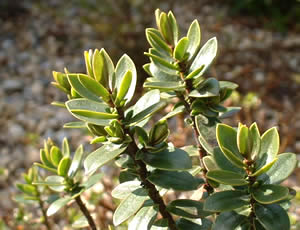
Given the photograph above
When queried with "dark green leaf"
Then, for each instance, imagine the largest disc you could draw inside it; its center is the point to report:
(180, 181)
(187, 208)
(226, 177)
(242, 139)
(193, 224)
(173, 25)
(209, 88)
(229, 221)
(168, 159)
(101, 156)
(272, 217)
(129, 206)
(270, 193)
(226, 201)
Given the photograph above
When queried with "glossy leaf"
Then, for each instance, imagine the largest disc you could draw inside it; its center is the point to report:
(55, 155)
(194, 224)
(194, 73)
(126, 64)
(76, 162)
(124, 87)
(226, 201)
(160, 75)
(101, 156)
(187, 208)
(272, 217)
(205, 56)
(180, 49)
(173, 25)
(210, 163)
(255, 137)
(194, 36)
(281, 169)
(264, 169)
(90, 111)
(270, 193)
(166, 29)
(93, 86)
(168, 159)
(229, 221)
(180, 181)
(122, 190)
(143, 219)
(242, 139)
(156, 41)
(226, 177)
(129, 206)
(161, 61)
(44, 159)
(58, 204)
(165, 85)
(64, 165)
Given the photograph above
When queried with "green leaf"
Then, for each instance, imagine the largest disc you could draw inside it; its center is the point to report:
(173, 25)
(27, 189)
(207, 130)
(165, 85)
(187, 208)
(166, 29)
(55, 155)
(194, 73)
(129, 206)
(179, 181)
(53, 170)
(224, 163)
(193, 224)
(55, 183)
(226, 201)
(226, 137)
(108, 70)
(63, 167)
(93, 86)
(210, 163)
(58, 204)
(160, 75)
(44, 159)
(264, 169)
(226, 177)
(143, 219)
(76, 162)
(124, 65)
(205, 56)
(80, 89)
(161, 61)
(99, 109)
(209, 88)
(124, 87)
(75, 125)
(156, 41)
(255, 137)
(80, 222)
(180, 49)
(92, 180)
(168, 159)
(192, 150)
(230, 111)
(101, 156)
(269, 146)
(281, 169)
(161, 224)
(121, 191)
(229, 221)
(242, 139)
(228, 85)
(159, 133)
(194, 36)
(65, 147)
(88, 62)
(270, 193)
(272, 217)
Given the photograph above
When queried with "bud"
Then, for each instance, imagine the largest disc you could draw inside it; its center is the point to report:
(159, 133)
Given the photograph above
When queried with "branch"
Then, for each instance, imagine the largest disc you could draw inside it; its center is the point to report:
(86, 213)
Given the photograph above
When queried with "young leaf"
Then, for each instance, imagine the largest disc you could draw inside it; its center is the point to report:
(272, 217)
(156, 41)
(166, 29)
(44, 159)
(55, 155)
(270, 193)
(159, 133)
(88, 62)
(76, 162)
(180, 181)
(210, 163)
(75, 125)
(264, 169)
(64, 165)
(101, 156)
(242, 139)
(226, 177)
(65, 147)
(143, 219)
(58, 204)
(205, 56)
(194, 36)
(27, 189)
(129, 206)
(255, 137)
(167, 159)
(229, 220)
(161, 61)
(226, 201)
(124, 87)
(90, 111)
(98, 68)
(124, 65)
(180, 49)
(55, 183)
(174, 26)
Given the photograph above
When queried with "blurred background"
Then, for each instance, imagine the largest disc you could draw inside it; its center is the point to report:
(259, 44)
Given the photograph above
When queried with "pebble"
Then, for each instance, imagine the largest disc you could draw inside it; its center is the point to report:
(12, 85)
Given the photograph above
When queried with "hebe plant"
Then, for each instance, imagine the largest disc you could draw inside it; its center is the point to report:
(234, 172)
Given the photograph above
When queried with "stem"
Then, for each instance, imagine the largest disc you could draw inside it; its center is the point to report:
(45, 221)
(252, 200)
(86, 213)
